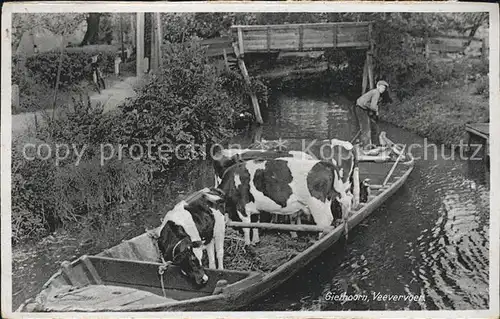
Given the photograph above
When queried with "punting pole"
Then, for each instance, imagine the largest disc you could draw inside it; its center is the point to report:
(394, 166)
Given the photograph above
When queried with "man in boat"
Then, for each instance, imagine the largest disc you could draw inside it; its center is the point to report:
(367, 112)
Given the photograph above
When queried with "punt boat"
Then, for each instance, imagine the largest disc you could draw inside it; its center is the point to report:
(129, 277)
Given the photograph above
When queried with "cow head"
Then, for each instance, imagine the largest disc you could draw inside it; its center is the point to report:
(343, 156)
(176, 246)
(343, 189)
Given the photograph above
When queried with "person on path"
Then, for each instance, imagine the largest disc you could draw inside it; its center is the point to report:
(367, 111)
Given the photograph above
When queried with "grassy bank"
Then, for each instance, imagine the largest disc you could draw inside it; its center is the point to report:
(440, 112)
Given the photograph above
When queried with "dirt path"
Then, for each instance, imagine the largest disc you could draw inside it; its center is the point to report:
(110, 98)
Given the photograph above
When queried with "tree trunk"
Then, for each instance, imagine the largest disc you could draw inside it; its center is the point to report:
(56, 87)
(91, 36)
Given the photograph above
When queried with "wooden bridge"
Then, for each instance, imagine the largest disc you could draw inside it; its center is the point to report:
(246, 39)
(301, 37)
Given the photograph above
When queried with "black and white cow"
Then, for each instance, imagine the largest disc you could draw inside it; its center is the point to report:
(343, 154)
(228, 157)
(285, 186)
(194, 225)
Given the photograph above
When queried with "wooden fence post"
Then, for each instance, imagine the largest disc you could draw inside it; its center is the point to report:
(226, 61)
(15, 97)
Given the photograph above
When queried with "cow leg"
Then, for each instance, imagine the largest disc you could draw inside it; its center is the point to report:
(274, 218)
(219, 234)
(356, 190)
(294, 219)
(321, 212)
(211, 254)
(255, 232)
(245, 218)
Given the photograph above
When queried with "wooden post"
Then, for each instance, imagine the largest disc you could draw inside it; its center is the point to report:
(301, 38)
(15, 97)
(121, 37)
(159, 34)
(268, 38)
(243, 69)
(370, 69)
(370, 56)
(484, 53)
(226, 61)
(240, 42)
(365, 77)
(133, 34)
(153, 57)
(140, 45)
(118, 60)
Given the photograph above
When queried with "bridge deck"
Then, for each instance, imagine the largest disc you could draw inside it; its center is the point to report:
(301, 37)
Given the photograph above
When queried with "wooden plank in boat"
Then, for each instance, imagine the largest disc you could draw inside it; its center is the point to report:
(115, 271)
(90, 268)
(176, 294)
(99, 298)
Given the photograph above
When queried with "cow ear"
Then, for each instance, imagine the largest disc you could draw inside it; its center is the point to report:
(214, 195)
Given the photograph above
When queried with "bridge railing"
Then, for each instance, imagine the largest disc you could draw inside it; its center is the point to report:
(301, 37)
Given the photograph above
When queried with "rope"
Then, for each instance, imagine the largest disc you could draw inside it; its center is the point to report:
(161, 271)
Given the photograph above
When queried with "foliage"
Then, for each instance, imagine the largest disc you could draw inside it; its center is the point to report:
(57, 23)
(481, 87)
(75, 65)
(440, 114)
(48, 194)
(190, 102)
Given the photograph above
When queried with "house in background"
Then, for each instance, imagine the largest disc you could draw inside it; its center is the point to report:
(42, 40)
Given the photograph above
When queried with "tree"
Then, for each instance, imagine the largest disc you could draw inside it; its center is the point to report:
(92, 34)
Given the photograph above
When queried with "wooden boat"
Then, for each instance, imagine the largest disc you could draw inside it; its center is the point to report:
(127, 277)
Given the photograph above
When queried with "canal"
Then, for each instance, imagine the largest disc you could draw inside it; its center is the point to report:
(429, 241)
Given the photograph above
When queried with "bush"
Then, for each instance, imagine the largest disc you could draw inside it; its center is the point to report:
(481, 87)
(75, 65)
(46, 196)
(189, 102)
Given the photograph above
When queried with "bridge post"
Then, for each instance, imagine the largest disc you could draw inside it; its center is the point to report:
(253, 97)
(370, 56)
(365, 78)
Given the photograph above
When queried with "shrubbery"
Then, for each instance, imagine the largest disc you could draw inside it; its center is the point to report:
(190, 102)
(47, 195)
(75, 65)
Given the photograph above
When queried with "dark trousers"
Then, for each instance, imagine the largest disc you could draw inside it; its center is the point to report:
(368, 126)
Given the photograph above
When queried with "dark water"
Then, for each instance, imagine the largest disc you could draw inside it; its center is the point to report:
(430, 239)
